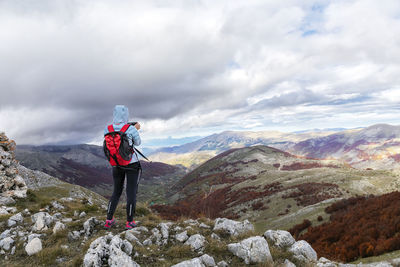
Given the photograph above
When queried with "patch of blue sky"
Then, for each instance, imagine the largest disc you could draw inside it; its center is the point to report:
(233, 65)
(313, 19)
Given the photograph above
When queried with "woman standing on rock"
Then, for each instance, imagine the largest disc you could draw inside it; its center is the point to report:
(122, 166)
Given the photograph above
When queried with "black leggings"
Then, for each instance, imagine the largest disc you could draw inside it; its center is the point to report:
(132, 173)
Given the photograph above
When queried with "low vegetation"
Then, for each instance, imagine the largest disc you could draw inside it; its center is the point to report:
(358, 227)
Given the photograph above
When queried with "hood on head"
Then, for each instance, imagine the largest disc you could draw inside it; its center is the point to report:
(121, 114)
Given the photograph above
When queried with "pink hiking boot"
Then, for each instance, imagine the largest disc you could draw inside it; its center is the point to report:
(109, 223)
(130, 225)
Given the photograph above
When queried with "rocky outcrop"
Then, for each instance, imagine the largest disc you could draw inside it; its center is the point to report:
(111, 250)
(11, 183)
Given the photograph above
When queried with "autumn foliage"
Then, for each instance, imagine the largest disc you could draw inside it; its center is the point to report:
(358, 227)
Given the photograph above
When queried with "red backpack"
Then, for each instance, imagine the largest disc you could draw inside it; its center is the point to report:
(116, 146)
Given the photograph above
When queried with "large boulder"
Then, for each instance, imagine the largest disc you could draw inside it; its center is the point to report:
(279, 238)
(33, 246)
(233, 227)
(252, 250)
(303, 251)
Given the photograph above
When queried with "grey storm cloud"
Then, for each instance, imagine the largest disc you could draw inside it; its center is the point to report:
(188, 66)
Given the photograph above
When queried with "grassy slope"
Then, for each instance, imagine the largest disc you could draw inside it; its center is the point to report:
(350, 182)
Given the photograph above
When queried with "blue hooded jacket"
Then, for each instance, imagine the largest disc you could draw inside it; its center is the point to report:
(121, 116)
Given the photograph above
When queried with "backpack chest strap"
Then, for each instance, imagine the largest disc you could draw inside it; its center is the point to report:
(124, 128)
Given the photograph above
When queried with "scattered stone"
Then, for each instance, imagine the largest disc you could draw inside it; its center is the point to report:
(303, 251)
(132, 238)
(156, 236)
(6, 243)
(288, 263)
(15, 219)
(205, 226)
(42, 221)
(7, 210)
(89, 226)
(34, 246)
(83, 214)
(66, 220)
(196, 242)
(202, 261)
(207, 260)
(252, 250)
(74, 235)
(64, 246)
(323, 262)
(178, 228)
(76, 213)
(12, 250)
(6, 200)
(279, 238)
(57, 205)
(5, 234)
(57, 216)
(233, 227)
(182, 237)
(148, 242)
(222, 264)
(58, 227)
(164, 232)
(191, 222)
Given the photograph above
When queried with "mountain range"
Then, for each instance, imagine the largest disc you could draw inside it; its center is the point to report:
(376, 146)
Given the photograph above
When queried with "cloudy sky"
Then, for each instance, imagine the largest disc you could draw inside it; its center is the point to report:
(190, 68)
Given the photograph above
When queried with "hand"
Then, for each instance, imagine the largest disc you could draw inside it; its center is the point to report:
(137, 126)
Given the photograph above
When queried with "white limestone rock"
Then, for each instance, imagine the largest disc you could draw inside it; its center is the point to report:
(6, 243)
(34, 246)
(89, 225)
(233, 227)
(196, 242)
(109, 249)
(288, 263)
(203, 261)
(58, 227)
(42, 221)
(280, 238)
(182, 237)
(303, 251)
(252, 250)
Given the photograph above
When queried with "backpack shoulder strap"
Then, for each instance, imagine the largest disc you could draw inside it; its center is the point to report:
(124, 128)
(110, 128)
